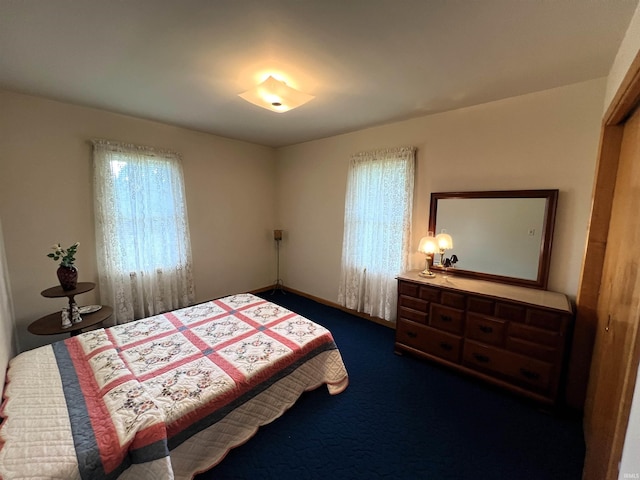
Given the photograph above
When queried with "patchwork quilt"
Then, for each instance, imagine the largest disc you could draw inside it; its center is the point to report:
(164, 397)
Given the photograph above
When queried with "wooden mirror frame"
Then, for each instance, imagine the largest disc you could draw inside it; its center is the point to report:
(551, 197)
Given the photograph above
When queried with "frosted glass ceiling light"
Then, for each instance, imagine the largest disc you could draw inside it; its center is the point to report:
(276, 96)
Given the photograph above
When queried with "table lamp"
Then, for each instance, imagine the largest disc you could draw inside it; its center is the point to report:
(444, 242)
(428, 246)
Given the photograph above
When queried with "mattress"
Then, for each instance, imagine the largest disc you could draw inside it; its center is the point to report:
(164, 397)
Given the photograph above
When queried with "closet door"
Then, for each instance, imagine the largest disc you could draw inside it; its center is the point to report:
(615, 356)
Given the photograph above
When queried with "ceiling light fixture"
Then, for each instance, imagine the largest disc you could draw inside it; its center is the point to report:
(276, 96)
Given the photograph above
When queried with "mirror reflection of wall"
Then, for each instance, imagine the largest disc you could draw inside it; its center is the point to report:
(495, 235)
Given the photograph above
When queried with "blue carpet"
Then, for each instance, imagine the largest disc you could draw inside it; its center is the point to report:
(403, 418)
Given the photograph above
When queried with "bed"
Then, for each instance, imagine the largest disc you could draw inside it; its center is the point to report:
(163, 397)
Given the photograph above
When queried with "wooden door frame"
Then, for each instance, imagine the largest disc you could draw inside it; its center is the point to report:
(614, 119)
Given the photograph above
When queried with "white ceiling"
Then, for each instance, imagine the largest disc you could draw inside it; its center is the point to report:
(367, 62)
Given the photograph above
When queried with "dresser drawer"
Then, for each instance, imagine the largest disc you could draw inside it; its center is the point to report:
(509, 311)
(519, 368)
(454, 300)
(429, 340)
(446, 318)
(485, 330)
(406, 288)
(413, 303)
(541, 352)
(543, 319)
(429, 294)
(413, 315)
(480, 305)
(535, 335)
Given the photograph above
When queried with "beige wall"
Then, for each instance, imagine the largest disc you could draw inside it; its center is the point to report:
(238, 192)
(543, 140)
(626, 54)
(46, 197)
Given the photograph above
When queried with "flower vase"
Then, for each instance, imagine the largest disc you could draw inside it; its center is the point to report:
(68, 277)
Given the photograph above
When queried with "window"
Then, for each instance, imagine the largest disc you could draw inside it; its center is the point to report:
(377, 229)
(142, 233)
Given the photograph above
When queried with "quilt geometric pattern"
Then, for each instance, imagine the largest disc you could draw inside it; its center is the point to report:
(137, 390)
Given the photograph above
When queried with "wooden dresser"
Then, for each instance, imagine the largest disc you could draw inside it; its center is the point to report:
(514, 337)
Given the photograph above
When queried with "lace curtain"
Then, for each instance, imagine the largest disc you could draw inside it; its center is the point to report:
(142, 233)
(7, 318)
(377, 230)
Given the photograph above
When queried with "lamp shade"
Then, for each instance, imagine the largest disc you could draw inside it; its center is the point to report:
(428, 245)
(444, 241)
(276, 96)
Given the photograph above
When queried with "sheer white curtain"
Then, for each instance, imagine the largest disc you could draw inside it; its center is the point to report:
(142, 232)
(377, 229)
(7, 319)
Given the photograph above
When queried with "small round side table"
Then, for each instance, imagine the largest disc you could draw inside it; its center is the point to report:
(52, 324)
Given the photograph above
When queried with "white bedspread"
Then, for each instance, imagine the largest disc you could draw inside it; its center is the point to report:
(164, 397)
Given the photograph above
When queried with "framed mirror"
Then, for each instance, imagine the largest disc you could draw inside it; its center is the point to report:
(502, 236)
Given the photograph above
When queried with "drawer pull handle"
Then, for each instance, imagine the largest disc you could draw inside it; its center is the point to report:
(412, 334)
(529, 374)
(481, 358)
(446, 346)
(485, 329)
(446, 318)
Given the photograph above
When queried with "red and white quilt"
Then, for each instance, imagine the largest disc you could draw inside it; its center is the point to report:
(162, 397)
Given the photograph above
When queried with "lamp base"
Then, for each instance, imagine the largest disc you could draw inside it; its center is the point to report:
(427, 274)
(278, 286)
